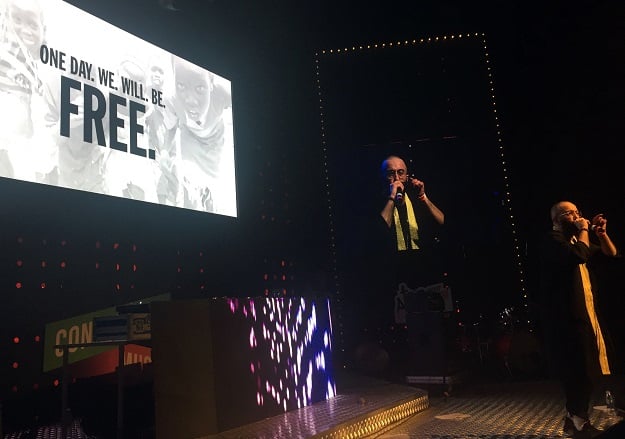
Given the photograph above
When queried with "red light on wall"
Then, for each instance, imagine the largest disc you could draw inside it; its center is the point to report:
(16, 340)
(134, 248)
(43, 264)
(19, 262)
(37, 339)
(63, 264)
(118, 287)
(117, 267)
(97, 265)
(18, 285)
(116, 246)
(201, 270)
(43, 285)
(55, 383)
(15, 365)
(134, 267)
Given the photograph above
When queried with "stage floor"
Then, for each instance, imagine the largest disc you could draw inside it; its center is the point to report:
(484, 409)
(474, 407)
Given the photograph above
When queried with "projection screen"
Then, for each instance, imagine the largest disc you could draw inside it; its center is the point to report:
(87, 106)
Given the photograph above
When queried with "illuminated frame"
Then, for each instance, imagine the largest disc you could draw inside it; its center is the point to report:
(326, 54)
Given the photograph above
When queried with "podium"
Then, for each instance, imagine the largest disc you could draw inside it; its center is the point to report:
(431, 336)
(225, 362)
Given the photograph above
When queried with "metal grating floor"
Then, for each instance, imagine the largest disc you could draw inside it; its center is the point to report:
(522, 410)
(479, 409)
(361, 398)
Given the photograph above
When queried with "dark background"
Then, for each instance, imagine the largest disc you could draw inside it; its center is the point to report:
(558, 77)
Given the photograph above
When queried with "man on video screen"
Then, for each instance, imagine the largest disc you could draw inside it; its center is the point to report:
(408, 213)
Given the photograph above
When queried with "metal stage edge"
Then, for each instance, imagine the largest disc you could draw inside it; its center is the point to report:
(365, 407)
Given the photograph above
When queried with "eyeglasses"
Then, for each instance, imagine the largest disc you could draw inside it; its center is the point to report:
(572, 212)
(399, 172)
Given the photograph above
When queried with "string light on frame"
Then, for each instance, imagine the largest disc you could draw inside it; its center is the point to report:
(499, 149)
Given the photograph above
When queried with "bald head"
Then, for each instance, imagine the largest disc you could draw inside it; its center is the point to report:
(563, 216)
(394, 168)
(561, 207)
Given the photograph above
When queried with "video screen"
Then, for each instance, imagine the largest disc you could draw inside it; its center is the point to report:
(226, 362)
(85, 105)
(280, 350)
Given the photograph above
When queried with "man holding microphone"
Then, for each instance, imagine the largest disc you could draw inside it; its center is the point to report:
(576, 333)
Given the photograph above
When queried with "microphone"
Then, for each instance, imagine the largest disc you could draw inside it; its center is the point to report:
(594, 227)
(399, 197)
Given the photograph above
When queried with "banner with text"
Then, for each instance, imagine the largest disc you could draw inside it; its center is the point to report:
(79, 330)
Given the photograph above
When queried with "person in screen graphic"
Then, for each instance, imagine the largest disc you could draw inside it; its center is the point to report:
(167, 156)
(407, 213)
(195, 112)
(22, 31)
(576, 334)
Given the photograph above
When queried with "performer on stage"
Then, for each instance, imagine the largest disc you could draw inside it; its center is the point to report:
(576, 333)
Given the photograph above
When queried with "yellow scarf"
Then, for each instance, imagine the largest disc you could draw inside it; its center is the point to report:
(592, 315)
(412, 225)
(590, 308)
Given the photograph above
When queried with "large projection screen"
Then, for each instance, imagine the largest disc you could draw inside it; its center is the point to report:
(87, 106)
